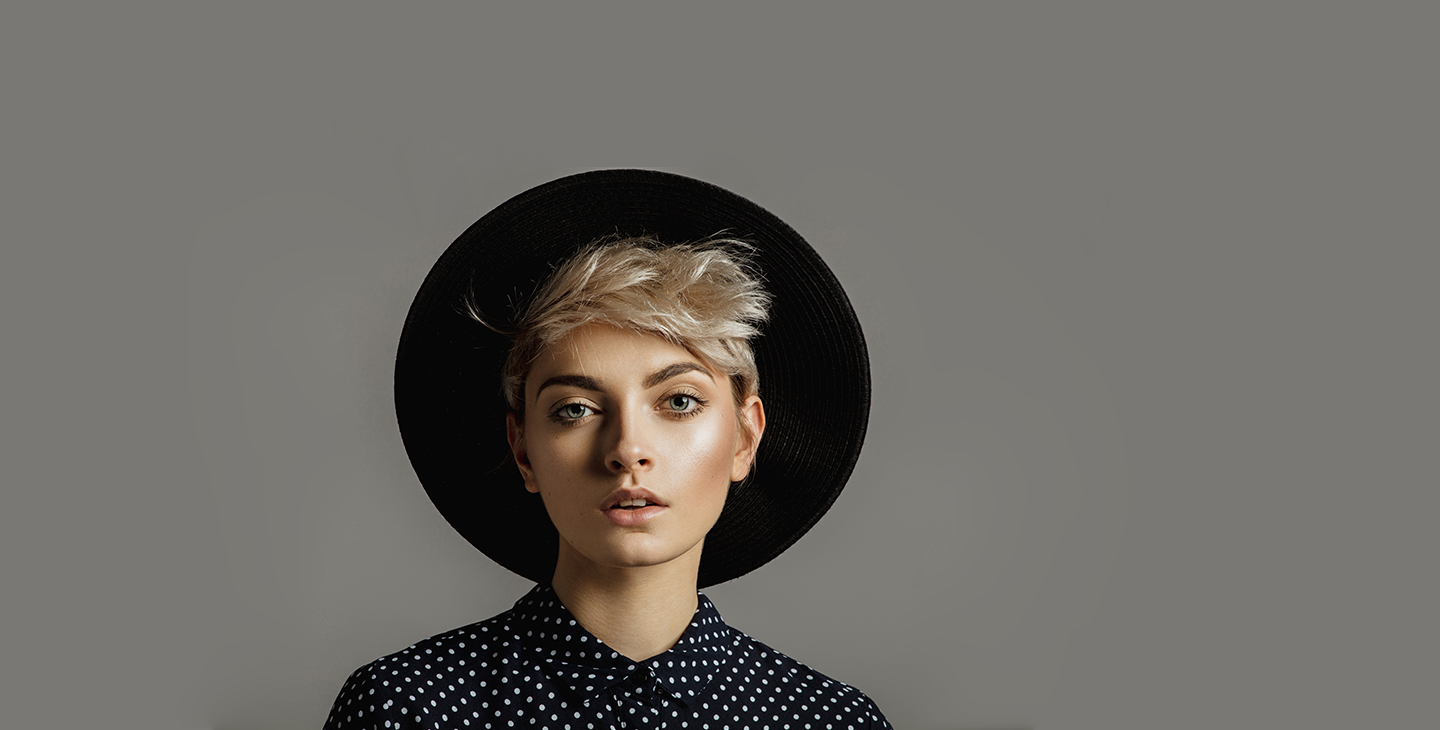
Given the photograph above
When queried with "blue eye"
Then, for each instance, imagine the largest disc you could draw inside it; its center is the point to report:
(572, 411)
(684, 404)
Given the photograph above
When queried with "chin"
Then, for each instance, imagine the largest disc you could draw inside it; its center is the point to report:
(641, 551)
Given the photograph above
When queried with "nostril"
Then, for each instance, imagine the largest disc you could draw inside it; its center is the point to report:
(624, 464)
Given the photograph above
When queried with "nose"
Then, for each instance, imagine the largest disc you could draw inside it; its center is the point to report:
(631, 445)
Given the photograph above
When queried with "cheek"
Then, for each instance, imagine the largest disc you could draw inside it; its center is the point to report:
(706, 451)
(560, 474)
(557, 461)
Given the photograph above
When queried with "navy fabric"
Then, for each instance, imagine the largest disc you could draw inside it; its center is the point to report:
(535, 666)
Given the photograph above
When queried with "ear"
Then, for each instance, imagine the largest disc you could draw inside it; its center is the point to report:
(749, 431)
(515, 434)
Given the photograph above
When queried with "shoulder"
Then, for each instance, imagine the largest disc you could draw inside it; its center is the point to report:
(439, 667)
(792, 683)
(461, 647)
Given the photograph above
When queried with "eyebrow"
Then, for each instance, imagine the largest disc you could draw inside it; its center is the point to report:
(585, 382)
(671, 371)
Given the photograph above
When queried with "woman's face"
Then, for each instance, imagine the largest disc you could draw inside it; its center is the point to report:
(631, 442)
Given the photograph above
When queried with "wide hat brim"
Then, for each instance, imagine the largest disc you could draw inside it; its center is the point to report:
(813, 366)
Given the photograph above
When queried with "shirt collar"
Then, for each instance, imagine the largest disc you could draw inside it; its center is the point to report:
(576, 659)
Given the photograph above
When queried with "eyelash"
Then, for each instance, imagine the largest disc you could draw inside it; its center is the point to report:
(565, 421)
(700, 405)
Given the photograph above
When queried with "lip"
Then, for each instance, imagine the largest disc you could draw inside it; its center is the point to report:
(632, 517)
(620, 495)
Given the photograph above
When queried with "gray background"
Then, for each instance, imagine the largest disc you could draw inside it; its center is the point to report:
(1150, 295)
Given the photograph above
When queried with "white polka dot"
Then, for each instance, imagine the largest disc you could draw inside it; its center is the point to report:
(714, 676)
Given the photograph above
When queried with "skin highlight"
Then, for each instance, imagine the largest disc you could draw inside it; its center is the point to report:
(608, 413)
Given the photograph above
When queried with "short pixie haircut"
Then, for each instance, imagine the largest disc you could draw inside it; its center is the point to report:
(705, 297)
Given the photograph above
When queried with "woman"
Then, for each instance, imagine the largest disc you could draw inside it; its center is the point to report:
(631, 368)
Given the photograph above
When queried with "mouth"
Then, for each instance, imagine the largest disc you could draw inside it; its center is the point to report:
(631, 498)
(632, 506)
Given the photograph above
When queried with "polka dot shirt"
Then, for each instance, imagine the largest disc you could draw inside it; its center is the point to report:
(534, 666)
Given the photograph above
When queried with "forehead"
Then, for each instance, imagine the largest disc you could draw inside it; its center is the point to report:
(601, 350)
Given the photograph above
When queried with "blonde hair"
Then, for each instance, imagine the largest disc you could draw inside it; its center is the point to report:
(705, 297)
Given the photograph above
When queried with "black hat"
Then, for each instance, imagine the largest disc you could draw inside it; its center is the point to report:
(813, 367)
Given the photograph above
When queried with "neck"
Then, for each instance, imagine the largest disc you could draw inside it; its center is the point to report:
(638, 611)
